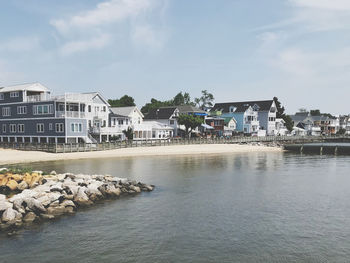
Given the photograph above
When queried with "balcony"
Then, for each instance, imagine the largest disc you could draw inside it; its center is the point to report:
(70, 114)
(38, 98)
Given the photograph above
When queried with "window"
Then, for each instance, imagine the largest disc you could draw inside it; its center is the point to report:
(59, 127)
(172, 122)
(14, 94)
(104, 123)
(97, 109)
(40, 127)
(50, 126)
(120, 122)
(76, 127)
(104, 109)
(233, 109)
(20, 128)
(126, 122)
(43, 109)
(89, 108)
(12, 128)
(272, 119)
(21, 109)
(2, 96)
(4, 128)
(6, 111)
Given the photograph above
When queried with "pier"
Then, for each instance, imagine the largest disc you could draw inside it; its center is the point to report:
(320, 148)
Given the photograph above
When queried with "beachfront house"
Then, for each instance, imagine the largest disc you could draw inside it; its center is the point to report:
(122, 118)
(246, 118)
(217, 123)
(316, 125)
(166, 116)
(29, 113)
(251, 116)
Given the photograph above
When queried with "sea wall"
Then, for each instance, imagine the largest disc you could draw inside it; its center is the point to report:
(33, 197)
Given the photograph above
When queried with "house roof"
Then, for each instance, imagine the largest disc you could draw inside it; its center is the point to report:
(228, 119)
(264, 105)
(190, 109)
(36, 86)
(160, 113)
(80, 97)
(124, 111)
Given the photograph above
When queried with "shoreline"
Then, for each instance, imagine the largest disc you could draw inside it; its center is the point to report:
(9, 156)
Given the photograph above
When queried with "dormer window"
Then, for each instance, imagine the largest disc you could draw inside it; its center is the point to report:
(256, 107)
(233, 109)
(14, 94)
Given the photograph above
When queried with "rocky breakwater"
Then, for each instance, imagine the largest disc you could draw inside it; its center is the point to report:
(38, 197)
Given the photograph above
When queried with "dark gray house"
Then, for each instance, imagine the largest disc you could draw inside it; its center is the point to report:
(28, 113)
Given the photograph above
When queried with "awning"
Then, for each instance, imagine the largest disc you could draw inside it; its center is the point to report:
(208, 127)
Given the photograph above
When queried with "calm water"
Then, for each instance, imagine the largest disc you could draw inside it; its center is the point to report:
(257, 207)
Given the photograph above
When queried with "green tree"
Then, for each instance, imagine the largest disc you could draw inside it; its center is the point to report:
(315, 112)
(281, 114)
(190, 122)
(129, 133)
(124, 101)
(179, 99)
(206, 100)
(155, 104)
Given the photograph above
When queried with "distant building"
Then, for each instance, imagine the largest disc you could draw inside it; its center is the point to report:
(250, 115)
(316, 125)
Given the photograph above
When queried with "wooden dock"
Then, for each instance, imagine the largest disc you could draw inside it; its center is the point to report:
(319, 148)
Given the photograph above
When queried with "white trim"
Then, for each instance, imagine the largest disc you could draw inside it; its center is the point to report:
(42, 118)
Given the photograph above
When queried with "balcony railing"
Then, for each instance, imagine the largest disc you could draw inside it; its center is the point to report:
(37, 98)
(70, 114)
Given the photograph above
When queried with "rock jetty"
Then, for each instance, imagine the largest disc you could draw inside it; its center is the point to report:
(32, 196)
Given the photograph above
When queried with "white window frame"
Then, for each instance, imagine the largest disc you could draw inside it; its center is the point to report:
(50, 127)
(21, 109)
(76, 127)
(20, 128)
(59, 127)
(40, 109)
(12, 128)
(40, 130)
(14, 94)
(6, 111)
(2, 96)
(4, 128)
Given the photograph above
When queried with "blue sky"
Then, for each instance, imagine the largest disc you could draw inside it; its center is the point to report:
(297, 50)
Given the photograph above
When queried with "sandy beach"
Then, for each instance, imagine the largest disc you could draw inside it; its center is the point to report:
(8, 156)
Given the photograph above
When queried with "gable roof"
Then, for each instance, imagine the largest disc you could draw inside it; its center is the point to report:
(225, 107)
(228, 119)
(160, 113)
(183, 109)
(263, 105)
(36, 86)
(124, 111)
(80, 97)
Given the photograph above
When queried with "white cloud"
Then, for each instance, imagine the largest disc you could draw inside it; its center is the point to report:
(105, 13)
(20, 44)
(84, 45)
(81, 31)
(338, 5)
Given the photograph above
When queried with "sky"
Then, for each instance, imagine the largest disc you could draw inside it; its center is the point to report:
(296, 50)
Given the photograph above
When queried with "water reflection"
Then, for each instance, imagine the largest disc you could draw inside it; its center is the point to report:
(254, 207)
